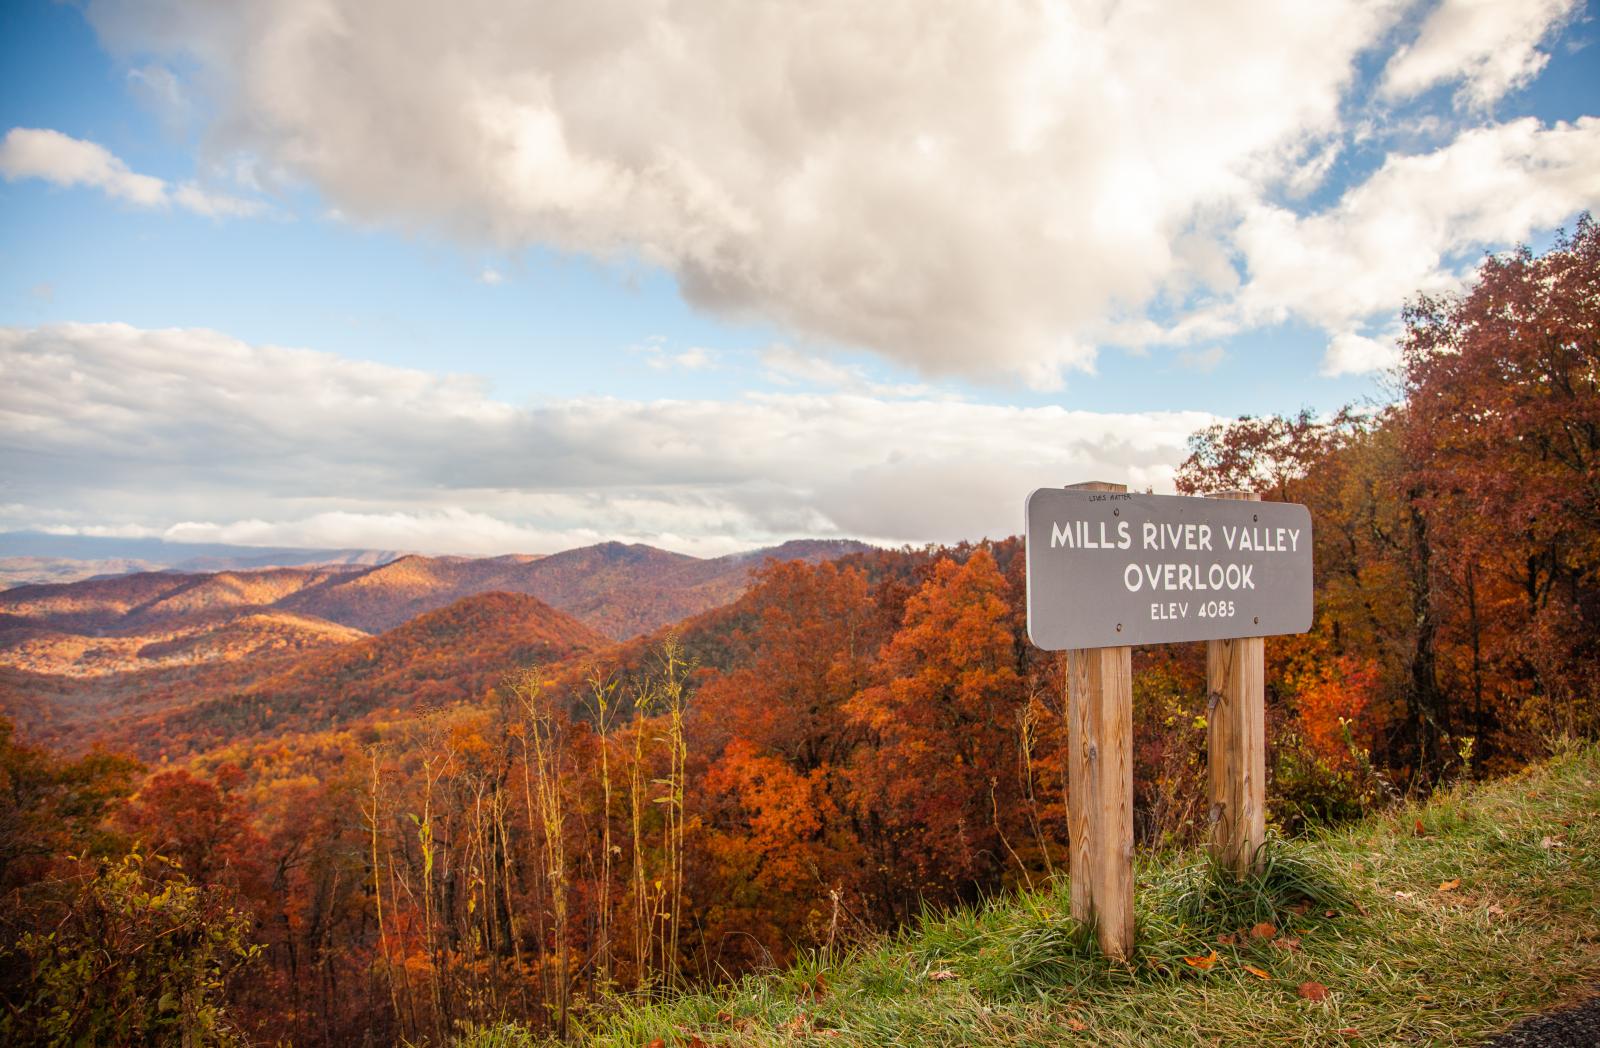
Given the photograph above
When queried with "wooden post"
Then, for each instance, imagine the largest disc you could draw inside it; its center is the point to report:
(1100, 785)
(1236, 715)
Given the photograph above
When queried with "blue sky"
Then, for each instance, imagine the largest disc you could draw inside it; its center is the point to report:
(826, 273)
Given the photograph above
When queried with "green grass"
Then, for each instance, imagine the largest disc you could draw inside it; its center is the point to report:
(1358, 909)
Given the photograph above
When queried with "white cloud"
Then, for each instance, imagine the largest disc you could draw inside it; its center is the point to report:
(191, 197)
(991, 190)
(1201, 360)
(200, 436)
(160, 89)
(1350, 353)
(63, 160)
(695, 358)
(1491, 46)
(984, 189)
(787, 366)
(1411, 226)
(491, 276)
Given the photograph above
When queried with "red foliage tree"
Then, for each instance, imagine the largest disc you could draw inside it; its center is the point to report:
(1503, 429)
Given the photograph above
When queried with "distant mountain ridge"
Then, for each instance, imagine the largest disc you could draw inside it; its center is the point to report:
(37, 556)
(29, 571)
(180, 556)
(619, 590)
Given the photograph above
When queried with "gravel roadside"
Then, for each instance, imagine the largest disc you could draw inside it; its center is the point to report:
(1575, 1026)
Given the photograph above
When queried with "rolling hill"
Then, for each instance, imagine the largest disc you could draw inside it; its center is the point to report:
(450, 655)
(214, 637)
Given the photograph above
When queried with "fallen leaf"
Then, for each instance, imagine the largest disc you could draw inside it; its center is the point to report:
(1350, 1031)
(1301, 908)
(1203, 963)
(1264, 930)
(816, 989)
(1313, 991)
(1496, 910)
(1257, 972)
(941, 975)
(1450, 885)
(695, 1041)
(724, 1017)
(657, 1043)
(1419, 830)
(1288, 942)
(1077, 1024)
(1330, 913)
(1227, 939)
(1404, 895)
(1551, 842)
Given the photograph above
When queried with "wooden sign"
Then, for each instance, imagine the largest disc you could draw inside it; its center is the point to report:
(1107, 570)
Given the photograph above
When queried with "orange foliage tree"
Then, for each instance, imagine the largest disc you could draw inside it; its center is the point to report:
(943, 717)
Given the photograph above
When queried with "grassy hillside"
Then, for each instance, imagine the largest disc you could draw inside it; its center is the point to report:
(1432, 925)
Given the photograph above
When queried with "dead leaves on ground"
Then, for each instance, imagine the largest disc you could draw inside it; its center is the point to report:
(685, 1039)
(814, 990)
(1313, 991)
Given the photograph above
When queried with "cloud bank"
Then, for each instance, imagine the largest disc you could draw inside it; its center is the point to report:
(62, 160)
(989, 190)
(306, 448)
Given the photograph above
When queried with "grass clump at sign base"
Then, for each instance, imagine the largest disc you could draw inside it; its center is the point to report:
(1438, 924)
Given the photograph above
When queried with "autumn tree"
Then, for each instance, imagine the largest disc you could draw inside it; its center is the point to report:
(942, 777)
(202, 824)
(1503, 411)
(137, 955)
(782, 840)
(50, 807)
(1269, 455)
